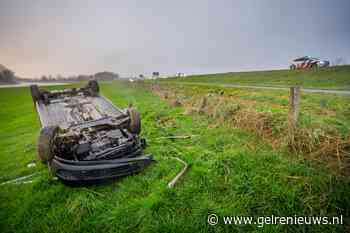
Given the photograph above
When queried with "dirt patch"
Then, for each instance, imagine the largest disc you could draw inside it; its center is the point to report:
(327, 112)
(324, 147)
(175, 103)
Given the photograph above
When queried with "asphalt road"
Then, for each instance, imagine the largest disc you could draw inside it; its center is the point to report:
(309, 90)
(27, 84)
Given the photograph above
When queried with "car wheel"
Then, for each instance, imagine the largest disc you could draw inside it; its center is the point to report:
(135, 121)
(94, 87)
(35, 92)
(46, 143)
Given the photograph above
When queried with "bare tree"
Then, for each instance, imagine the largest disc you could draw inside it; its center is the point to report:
(44, 78)
(59, 77)
(339, 61)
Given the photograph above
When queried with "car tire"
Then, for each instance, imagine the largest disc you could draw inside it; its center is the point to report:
(35, 92)
(94, 87)
(135, 121)
(46, 142)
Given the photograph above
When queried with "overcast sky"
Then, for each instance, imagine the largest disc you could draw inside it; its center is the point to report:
(192, 36)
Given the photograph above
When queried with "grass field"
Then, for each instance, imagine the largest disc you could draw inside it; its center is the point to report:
(233, 172)
(336, 77)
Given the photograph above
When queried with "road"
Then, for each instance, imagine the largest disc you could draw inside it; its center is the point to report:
(309, 90)
(27, 84)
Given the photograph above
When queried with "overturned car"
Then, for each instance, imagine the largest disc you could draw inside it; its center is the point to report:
(306, 62)
(84, 137)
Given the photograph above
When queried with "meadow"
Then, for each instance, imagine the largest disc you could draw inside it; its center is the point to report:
(335, 77)
(234, 170)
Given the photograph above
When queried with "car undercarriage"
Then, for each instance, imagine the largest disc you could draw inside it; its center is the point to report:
(84, 137)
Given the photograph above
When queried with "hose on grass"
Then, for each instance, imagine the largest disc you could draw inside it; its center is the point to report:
(20, 180)
(173, 182)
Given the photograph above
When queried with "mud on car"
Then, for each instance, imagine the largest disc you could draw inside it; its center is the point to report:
(84, 137)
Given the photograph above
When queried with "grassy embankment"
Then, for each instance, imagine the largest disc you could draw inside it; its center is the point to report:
(323, 133)
(234, 172)
(336, 77)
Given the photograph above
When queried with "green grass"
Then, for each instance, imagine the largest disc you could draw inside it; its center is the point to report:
(232, 172)
(336, 77)
(326, 111)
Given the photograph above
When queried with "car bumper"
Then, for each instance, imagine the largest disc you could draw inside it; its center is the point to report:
(84, 171)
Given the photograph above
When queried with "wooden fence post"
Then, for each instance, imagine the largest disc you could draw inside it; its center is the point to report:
(294, 106)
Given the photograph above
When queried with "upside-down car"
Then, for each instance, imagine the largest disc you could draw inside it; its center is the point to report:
(84, 137)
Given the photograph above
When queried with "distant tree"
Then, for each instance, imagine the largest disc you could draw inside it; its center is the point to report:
(59, 77)
(84, 77)
(72, 78)
(155, 74)
(339, 61)
(7, 76)
(44, 78)
(105, 75)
